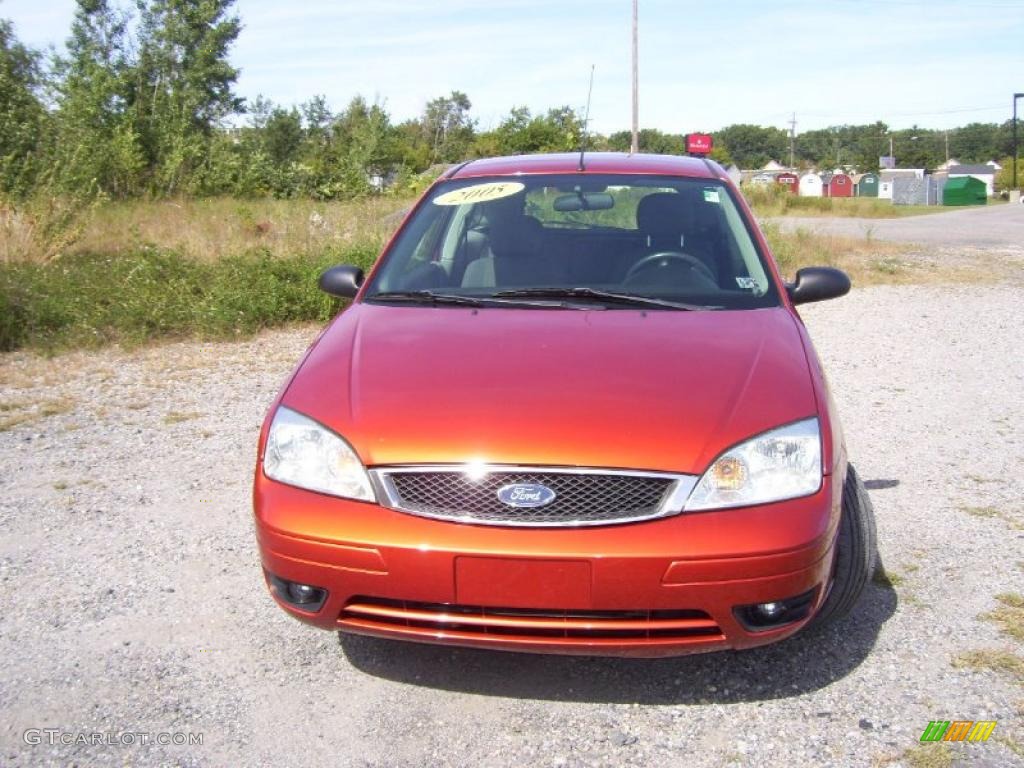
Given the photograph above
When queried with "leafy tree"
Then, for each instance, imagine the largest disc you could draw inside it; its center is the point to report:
(97, 144)
(22, 116)
(448, 128)
(184, 83)
(752, 146)
(560, 130)
(649, 140)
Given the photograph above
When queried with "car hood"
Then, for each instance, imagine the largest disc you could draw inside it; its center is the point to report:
(655, 390)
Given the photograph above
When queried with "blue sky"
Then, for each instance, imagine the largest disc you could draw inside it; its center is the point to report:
(703, 65)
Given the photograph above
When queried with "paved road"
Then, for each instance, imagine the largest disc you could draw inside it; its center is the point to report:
(992, 226)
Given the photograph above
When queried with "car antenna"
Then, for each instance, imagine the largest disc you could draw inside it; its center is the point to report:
(586, 120)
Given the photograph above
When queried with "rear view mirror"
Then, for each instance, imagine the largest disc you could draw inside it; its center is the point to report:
(584, 201)
(818, 284)
(341, 281)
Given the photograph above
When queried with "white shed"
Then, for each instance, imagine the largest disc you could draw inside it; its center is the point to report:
(810, 185)
(734, 173)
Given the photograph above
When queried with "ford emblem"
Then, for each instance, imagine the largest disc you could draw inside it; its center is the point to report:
(525, 495)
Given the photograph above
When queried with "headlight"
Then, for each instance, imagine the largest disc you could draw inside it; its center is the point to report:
(782, 464)
(303, 453)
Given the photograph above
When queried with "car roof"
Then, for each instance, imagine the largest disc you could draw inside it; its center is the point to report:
(594, 163)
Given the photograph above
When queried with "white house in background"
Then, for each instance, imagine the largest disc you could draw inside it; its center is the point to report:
(773, 167)
(994, 164)
(734, 173)
(984, 173)
(810, 185)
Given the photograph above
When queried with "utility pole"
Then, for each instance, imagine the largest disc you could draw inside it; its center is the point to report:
(634, 146)
(792, 140)
(1015, 97)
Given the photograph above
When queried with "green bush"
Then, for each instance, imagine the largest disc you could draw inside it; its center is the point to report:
(92, 299)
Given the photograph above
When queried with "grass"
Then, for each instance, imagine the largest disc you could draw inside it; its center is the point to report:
(92, 299)
(16, 412)
(929, 756)
(993, 659)
(868, 262)
(1009, 615)
(176, 417)
(886, 578)
(131, 272)
(774, 200)
(995, 513)
(208, 230)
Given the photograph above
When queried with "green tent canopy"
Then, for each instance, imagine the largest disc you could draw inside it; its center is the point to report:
(964, 190)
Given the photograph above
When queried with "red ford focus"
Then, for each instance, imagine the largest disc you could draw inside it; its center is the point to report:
(573, 410)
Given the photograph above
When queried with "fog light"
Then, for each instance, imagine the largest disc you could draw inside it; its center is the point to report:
(759, 617)
(769, 611)
(303, 596)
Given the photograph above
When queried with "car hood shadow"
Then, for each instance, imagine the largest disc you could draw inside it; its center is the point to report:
(806, 662)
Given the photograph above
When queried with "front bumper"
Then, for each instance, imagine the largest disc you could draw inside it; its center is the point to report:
(658, 588)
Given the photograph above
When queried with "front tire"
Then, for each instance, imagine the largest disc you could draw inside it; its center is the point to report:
(856, 551)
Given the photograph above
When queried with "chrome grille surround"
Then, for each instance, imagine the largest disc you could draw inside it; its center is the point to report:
(583, 497)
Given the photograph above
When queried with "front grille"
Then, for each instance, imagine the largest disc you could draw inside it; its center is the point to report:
(469, 621)
(581, 497)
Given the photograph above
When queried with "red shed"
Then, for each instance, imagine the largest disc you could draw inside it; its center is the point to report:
(840, 185)
(789, 180)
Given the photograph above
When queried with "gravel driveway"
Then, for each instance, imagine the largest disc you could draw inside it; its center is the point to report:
(132, 599)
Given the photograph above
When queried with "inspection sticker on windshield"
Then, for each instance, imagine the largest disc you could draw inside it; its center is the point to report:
(711, 196)
(479, 193)
(746, 282)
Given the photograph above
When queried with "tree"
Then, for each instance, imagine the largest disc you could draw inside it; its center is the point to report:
(184, 83)
(22, 116)
(560, 130)
(448, 128)
(752, 146)
(97, 145)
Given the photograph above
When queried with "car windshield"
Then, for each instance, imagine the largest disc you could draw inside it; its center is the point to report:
(615, 241)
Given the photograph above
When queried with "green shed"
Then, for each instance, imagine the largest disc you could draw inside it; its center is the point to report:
(867, 185)
(964, 190)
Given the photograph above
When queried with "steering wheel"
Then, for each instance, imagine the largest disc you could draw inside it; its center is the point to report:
(691, 261)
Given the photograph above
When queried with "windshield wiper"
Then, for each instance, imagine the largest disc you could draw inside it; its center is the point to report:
(608, 297)
(427, 297)
(430, 297)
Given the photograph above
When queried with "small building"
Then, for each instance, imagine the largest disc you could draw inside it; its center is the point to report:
(986, 174)
(964, 190)
(810, 185)
(734, 173)
(790, 181)
(866, 185)
(838, 185)
(773, 166)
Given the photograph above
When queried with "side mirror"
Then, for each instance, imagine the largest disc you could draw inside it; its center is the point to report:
(342, 281)
(818, 284)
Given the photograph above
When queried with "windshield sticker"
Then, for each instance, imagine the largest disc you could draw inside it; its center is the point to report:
(747, 282)
(711, 196)
(480, 193)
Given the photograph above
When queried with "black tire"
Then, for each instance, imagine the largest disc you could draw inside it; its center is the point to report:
(856, 551)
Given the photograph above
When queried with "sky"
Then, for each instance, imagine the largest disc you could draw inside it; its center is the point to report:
(703, 65)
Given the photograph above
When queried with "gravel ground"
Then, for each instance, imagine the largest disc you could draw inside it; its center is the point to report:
(125, 517)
